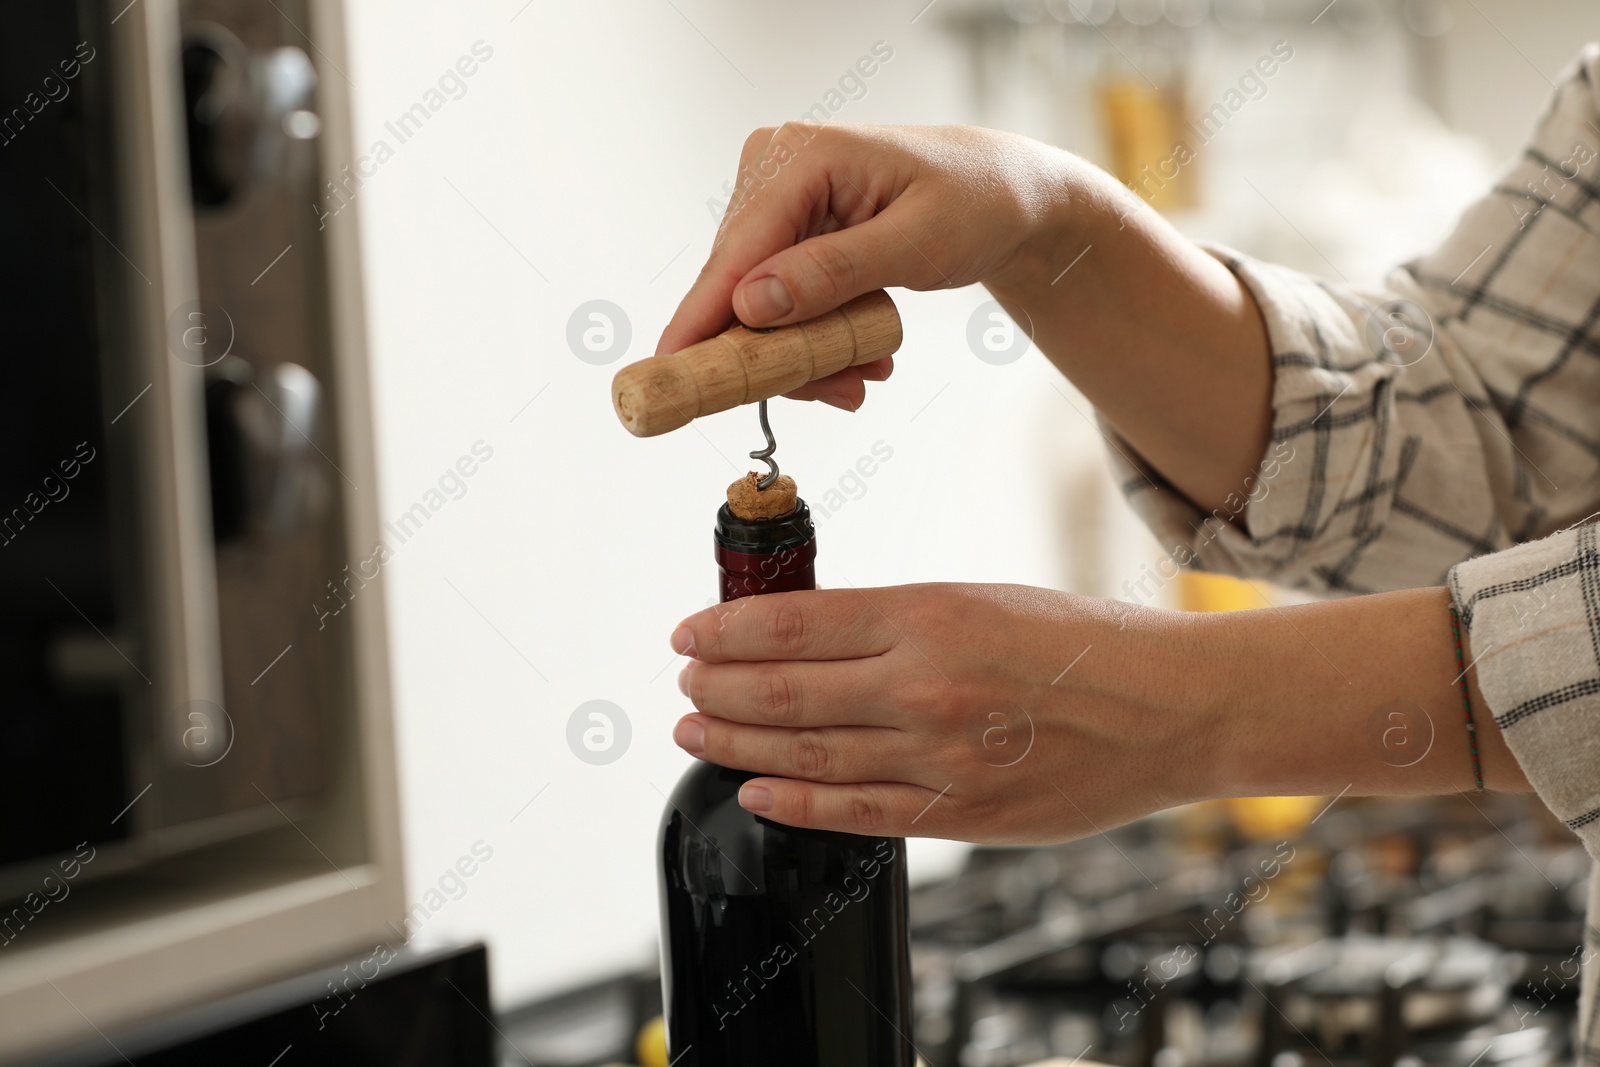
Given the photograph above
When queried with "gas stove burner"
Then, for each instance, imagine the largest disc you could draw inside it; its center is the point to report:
(1509, 1041)
(1364, 994)
(1384, 934)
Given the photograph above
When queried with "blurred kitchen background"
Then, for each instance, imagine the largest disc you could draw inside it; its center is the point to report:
(588, 161)
(522, 239)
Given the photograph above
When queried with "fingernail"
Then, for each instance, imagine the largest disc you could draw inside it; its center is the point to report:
(755, 798)
(766, 299)
(838, 400)
(682, 640)
(690, 736)
(683, 681)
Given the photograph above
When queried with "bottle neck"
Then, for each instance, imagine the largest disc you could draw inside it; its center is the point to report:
(765, 555)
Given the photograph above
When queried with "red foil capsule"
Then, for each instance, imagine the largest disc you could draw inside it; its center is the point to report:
(765, 556)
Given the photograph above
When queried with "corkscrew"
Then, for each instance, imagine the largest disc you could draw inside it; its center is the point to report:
(765, 454)
(742, 366)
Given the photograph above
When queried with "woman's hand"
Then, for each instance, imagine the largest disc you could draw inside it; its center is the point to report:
(1008, 715)
(1157, 334)
(998, 714)
(824, 213)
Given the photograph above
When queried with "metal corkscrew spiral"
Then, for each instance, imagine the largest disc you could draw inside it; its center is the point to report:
(765, 454)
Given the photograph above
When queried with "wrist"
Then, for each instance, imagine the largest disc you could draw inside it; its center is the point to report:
(1184, 687)
(1069, 209)
(1215, 704)
(1501, 771)
(1356, 696)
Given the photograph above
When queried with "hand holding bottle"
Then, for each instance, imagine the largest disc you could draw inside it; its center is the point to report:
(1000, 714)
(1012, 715)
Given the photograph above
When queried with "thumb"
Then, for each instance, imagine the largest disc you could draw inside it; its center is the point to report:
(820, 273)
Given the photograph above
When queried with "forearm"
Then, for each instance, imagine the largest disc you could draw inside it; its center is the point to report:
(1158, 335)
(1356, 695)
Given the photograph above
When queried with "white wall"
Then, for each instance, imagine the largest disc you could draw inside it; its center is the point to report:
(577, 166)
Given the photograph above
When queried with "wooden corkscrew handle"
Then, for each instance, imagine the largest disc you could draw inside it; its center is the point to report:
(742, 366)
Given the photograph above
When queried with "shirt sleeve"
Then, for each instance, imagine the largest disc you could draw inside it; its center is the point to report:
(1452, 412)
(1532, 617)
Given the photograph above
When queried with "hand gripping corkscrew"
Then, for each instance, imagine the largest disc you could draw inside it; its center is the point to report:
(743, 366)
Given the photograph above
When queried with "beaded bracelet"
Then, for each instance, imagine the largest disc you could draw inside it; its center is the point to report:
(1466, 699)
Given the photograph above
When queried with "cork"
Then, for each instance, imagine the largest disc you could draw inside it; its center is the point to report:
(750, 503)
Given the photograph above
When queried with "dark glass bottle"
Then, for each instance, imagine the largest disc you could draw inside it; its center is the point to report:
(780, 947)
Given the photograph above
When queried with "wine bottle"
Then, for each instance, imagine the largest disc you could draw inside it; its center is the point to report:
(780, 947)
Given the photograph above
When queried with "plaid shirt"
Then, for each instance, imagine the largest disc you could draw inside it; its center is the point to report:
(1444, 429)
